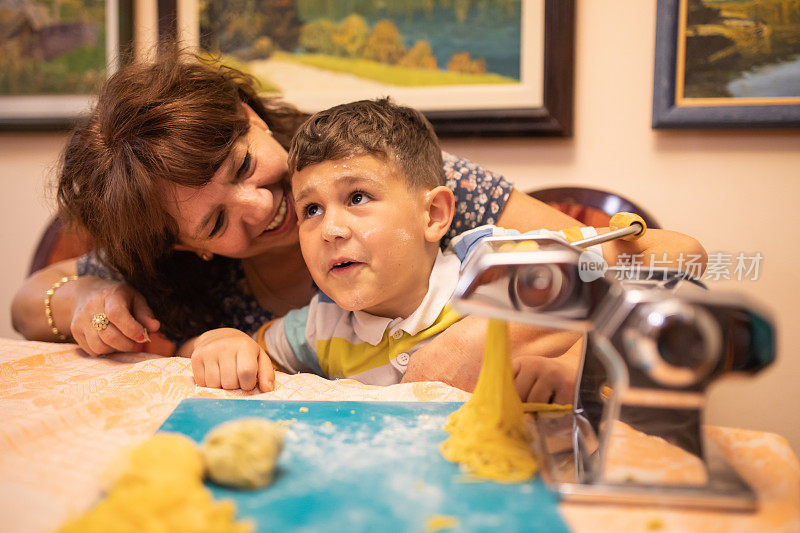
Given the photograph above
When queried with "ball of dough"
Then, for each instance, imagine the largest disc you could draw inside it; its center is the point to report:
(166, 458)
(242, 453)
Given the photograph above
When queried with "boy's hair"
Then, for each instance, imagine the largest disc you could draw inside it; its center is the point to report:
(371, 127)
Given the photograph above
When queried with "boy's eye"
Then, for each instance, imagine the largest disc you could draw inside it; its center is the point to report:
(311, 210)
(358, 198)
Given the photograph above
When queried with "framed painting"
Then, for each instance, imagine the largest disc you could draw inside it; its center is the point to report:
(474, 67)
(53, 56)
(727, 64)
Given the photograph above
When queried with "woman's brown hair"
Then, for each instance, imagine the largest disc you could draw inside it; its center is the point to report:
(171, 121)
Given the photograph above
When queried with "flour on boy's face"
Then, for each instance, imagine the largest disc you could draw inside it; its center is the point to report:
(362, 234)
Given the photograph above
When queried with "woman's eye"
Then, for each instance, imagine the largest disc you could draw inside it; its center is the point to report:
(217, 225)
(244, 168)
(358, 198)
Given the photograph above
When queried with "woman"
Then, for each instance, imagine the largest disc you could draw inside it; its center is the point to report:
(180, 176)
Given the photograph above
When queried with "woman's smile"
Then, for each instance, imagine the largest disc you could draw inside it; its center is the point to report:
(280, 216)
(285, 219)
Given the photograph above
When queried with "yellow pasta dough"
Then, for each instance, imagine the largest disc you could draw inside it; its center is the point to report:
(538, 407)
(242, 453)
(441, 522)
(159, 488)
(488, 435)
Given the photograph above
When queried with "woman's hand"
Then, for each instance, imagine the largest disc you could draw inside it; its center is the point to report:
(547, 379)
(227, 358)
(75, 303)
(455, 355)
(130, 319)
(669, 248)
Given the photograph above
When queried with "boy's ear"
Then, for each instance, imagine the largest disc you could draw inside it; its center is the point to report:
(440, 205)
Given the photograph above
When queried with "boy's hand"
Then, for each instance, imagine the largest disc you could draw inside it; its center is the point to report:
(229, 359)
(543, 379)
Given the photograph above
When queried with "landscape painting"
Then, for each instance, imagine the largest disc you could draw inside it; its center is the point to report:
(433, 54)
(735, 52)
(727, 64)
(53, 55)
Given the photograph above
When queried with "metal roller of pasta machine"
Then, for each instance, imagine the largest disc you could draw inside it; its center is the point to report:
(654, 342)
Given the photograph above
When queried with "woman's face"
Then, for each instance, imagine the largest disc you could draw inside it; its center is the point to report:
(246, 209)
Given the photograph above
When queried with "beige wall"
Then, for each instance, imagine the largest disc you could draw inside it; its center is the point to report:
(25, 160)
(735, 191)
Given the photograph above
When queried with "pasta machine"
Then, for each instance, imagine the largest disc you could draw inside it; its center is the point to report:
(655, 339)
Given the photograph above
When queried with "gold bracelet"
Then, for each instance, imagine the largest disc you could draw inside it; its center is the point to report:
(48, 311)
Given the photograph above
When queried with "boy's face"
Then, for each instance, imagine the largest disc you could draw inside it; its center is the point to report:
(362, 234)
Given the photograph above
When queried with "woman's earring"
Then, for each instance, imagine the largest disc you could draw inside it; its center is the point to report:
(207, 256)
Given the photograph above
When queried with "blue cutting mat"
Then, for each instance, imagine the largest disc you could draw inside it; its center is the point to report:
(367, 466)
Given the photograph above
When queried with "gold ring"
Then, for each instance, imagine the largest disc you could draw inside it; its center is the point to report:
(100, 321)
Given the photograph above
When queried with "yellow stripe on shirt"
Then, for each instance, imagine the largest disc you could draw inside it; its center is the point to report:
(338, 357)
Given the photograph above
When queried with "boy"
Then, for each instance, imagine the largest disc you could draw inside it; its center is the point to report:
(372, 207)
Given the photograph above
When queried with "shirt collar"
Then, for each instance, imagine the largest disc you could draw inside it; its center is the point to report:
(442, 283)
